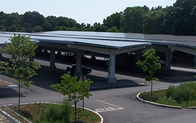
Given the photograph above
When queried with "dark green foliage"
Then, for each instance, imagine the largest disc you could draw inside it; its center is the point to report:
(33, 18)
(153, 22)
(56, 113)
(26, 114)
(177, 19)
(132, 21)
(47, 26)
(170, 91)
(37, 29)
(113, 21)
(179, 93)
(13, 29)
(21, 48)
(147, 96)
(182, 21)
(150, 65)
(113, 29)
(76, 90)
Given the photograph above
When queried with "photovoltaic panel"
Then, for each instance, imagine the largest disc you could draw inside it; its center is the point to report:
(106, 39)
(57, 37)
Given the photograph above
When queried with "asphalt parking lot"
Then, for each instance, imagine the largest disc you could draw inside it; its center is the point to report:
(117, 103)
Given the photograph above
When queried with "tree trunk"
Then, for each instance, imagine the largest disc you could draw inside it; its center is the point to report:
(19, 97)
(75, 112)
(151, 89)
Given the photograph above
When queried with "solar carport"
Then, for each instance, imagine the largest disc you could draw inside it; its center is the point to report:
(79, 43)
(110, 44)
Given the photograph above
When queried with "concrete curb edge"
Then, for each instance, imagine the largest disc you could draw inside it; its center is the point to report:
(191, 107)
(93, 112)
(9, 117)
(157, 104)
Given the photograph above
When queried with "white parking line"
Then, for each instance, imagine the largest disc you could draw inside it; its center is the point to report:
(106, 109)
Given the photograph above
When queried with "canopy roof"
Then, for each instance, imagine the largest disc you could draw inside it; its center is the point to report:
(105, 39)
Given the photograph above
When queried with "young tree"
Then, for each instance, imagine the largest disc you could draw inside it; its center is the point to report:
(150, 65)
(21, 48)
(76, 90)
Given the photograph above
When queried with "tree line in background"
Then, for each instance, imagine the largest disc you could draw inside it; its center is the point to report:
(178, 19)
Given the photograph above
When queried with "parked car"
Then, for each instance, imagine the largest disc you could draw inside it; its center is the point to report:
(85, 69)
(162, 63)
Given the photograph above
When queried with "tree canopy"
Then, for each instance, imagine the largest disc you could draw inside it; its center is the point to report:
(76, 90)
(150, 64)
(21, 48)
(177, 19)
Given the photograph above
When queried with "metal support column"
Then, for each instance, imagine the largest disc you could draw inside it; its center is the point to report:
(1, 56)
(52, 59)
(111, 69)
(93, 58)
(137, 57)
(167, 59)
(78, 63)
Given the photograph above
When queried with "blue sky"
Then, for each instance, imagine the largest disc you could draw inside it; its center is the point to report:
(83, 11)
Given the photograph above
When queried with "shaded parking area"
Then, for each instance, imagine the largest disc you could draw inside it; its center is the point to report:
(115, 101)
(126, 77)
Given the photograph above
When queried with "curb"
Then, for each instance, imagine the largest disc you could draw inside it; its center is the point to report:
(12, 119)
(157, 104)
(191, 107)
(93, 112)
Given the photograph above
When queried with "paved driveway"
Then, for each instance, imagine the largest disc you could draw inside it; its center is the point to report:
(117, 105)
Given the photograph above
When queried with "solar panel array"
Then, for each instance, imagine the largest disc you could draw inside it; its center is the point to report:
(105, 39)
(79, 38)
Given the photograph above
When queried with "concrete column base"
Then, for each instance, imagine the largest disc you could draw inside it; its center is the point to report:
(167, 68)
(31, 59)
(78, 74)
(112, 80)
(1, 56)
(93, 59)
(51, 69)
(167, 59)
(195, 60)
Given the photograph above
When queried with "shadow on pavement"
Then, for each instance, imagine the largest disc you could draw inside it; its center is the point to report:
(178, 76)
(45, 78)
(6, 92)
(100, 83)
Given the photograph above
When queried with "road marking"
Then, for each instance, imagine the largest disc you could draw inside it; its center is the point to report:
(141, 83)
(5, 83)
(106, 109)
(108, 104)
